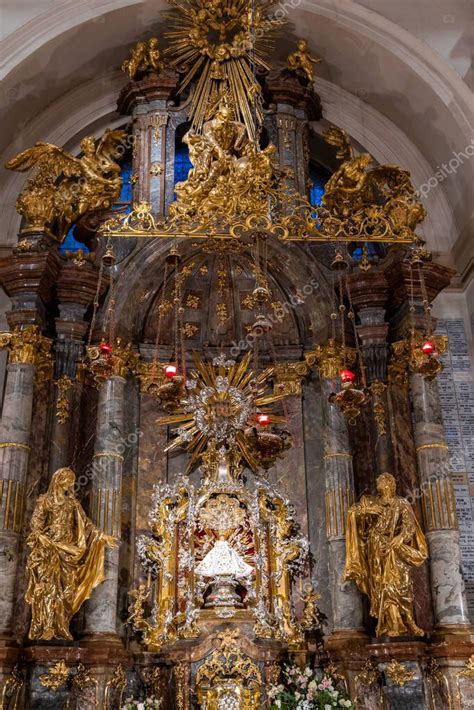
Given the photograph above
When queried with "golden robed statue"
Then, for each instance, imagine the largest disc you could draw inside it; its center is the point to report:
(66, 560)
(383, 541)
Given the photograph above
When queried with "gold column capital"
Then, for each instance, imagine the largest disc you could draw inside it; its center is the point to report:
(289, 377)
(28, 346)
(119, 362)
(407, 356)
(330, 357)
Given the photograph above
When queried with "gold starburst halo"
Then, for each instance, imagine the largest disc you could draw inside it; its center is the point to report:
(222, 44)
(222, 400)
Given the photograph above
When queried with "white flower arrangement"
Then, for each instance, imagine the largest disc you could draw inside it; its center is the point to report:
(302, 690)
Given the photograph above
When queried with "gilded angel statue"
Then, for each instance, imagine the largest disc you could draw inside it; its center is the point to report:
(349, 181)
(63, 188)
(372, 196)
(301, 62)
(383, 541)
(144, 56)
(66, 559)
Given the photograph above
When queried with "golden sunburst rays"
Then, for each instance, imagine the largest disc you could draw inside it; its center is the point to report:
(224, 43)
(221, 401)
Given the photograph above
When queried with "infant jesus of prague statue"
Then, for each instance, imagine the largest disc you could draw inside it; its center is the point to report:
(66, 560)
(223, 566)
(383, 541)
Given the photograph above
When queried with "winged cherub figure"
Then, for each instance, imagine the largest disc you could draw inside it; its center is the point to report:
(63, 188)
(301, 62)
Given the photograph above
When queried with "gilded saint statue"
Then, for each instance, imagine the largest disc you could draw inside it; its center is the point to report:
(301, 62)
(66, 559)
(383, 541)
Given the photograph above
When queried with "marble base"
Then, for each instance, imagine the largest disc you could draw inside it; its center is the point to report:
(346, 598)
(447, 582)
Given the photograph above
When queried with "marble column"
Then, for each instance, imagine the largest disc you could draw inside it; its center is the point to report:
(339, 493)
(28, 349)
(105, 507)
(290, 472)
(439, 508)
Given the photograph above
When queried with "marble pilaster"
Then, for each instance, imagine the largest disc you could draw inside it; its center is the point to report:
(76, 291)
(369, 293)
(438, 502)
(105, 507)
(67, 353)
(314, 468)
(147, 100)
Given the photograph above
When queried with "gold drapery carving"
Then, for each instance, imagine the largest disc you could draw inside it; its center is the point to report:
(66, 559)
(383, 541)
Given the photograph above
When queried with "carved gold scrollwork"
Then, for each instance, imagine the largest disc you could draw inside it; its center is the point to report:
(62, 402)
(56, 676)
(182, 674)
(369, 680)
(330, 358)
(228, 673)
(468, 670)
(438, 685)
(378, 389)
(289, 377)
(114, 688)
(399, 673)
(11, 691)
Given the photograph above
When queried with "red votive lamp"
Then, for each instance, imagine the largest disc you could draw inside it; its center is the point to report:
(105, 349)
(171, 370)
(263, 419)
(347, 375)
(428, 347)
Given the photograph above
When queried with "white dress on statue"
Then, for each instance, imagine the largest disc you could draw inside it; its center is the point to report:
(222, 560)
